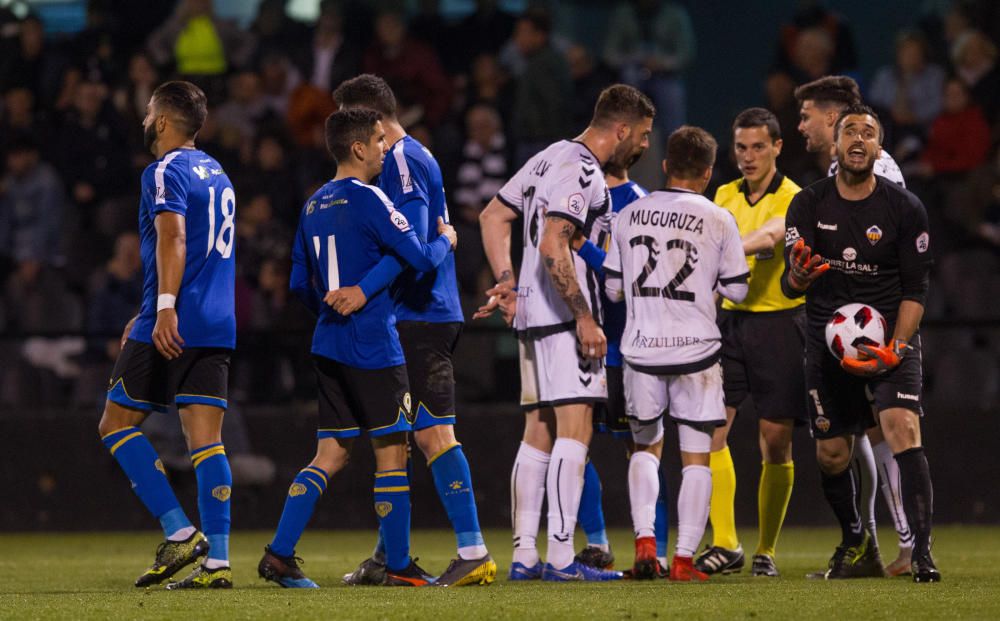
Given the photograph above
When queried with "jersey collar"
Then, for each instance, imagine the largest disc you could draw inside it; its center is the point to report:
(771, 189)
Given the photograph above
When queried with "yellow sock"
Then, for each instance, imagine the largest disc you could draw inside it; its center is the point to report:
(722, 513)
(772, 501)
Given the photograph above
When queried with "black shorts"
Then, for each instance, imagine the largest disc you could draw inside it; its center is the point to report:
(841, 404)
(428, 348)
(144, 380)
(762, 358)
(351, 400)
(609, 416)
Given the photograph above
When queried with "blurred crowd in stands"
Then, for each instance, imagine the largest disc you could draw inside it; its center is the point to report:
(483, 92)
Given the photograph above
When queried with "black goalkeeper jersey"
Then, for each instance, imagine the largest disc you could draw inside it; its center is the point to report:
(878, 248)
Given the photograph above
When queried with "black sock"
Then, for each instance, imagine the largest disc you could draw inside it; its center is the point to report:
(841, 492)
(918, 496)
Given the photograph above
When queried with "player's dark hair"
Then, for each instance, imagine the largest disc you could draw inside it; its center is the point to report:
(857, 109)
(621, 103)
(690, 152)
(345, 127)
(836, 90)
(186, 103)
(366, 91)
(758, 117)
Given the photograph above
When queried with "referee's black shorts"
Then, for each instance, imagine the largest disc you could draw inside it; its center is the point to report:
(762, 355)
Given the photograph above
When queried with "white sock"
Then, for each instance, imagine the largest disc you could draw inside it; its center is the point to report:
(663, 561)
(215, 563)
(643, 488)
(182, 534)
(527, 491)
(888, 474)
(564, 485)
(692, 508)
(864, 464)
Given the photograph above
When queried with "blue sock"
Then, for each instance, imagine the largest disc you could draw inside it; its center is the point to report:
(662, 523)
(392, 504)
(143, 467)
(305, 490)
(590, 516)
(453, 481)
(215, 486)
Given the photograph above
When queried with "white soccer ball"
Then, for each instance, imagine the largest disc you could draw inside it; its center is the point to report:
(852, 325)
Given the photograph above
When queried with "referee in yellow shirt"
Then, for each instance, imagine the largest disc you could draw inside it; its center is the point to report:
(762, 345)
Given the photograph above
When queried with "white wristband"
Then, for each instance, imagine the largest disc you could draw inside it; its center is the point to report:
(165, 300)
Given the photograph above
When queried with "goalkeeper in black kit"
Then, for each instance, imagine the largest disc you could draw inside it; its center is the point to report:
(857, 237)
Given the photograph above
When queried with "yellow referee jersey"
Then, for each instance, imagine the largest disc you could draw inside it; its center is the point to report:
(766, 266)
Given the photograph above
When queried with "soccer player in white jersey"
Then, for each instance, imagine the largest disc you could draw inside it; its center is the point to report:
(670, 253)
(555, 307)
(820, 103)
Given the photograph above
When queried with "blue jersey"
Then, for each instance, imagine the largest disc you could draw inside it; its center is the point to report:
(344, 230)
(191, 183)
(614, 312)
(411, 178)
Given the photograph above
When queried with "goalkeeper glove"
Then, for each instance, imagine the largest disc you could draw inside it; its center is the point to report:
(805, 266)
(874, 361)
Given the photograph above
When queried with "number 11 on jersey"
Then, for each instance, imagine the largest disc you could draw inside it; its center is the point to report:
(332, 269)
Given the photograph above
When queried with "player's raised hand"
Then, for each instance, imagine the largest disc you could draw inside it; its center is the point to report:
(806, 267)
(593, 343)
(346, 300)
(448, 231)
(166, 338)
(126, 331)
(873, 361)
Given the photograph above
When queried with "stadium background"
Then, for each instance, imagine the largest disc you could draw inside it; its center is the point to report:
(75, 75)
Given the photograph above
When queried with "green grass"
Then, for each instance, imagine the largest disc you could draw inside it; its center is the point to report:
(89, 576)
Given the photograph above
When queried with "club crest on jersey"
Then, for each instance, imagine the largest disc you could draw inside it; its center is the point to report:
(311, 207)
(399, 221)
(822, 423)
(873, 234)
(850, 254)
(383, 508)
(297, 489)
(923, 242)
(574, 204)
(222, 493)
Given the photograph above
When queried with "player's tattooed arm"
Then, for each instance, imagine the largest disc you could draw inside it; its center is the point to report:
(559, 263)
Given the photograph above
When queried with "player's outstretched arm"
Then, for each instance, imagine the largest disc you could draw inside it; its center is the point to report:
(171, 253)
(802, 268)
(495, 226)
(555, 250)
(764, 238)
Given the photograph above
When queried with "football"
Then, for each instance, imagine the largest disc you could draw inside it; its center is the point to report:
(852, 325)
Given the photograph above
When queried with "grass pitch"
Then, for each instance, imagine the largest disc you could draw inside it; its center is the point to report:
(89, 576)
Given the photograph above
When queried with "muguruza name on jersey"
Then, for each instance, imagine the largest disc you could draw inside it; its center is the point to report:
(667, 219)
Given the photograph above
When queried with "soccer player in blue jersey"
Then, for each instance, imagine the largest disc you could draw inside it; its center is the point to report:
(429, 322)
(176, 350)
(345, 229)
(610, 417)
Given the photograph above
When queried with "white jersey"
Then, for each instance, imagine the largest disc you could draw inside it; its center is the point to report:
(565, 179)
(885, 166)
(669, 251)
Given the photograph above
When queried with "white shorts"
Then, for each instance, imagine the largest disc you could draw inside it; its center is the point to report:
(554, 373)
(694, 399)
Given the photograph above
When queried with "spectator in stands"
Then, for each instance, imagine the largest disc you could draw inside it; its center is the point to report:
(259, 236)
(18, 116)
(911, 89)
(652, 43)
(542, 91)
(273, 29)
(481, 173)
(411, 68)
(130, 99)
(238, 117)
(812, 55)
(489, 84)
(975, 204)
(959, 138)
(269, 170)
(32, 64)
(811, 15)
(590, 77)
(198, 43)
(114, 296)
(279, 79)
(330, 59)
(31, 207)
(975, 59)
(483, 32)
